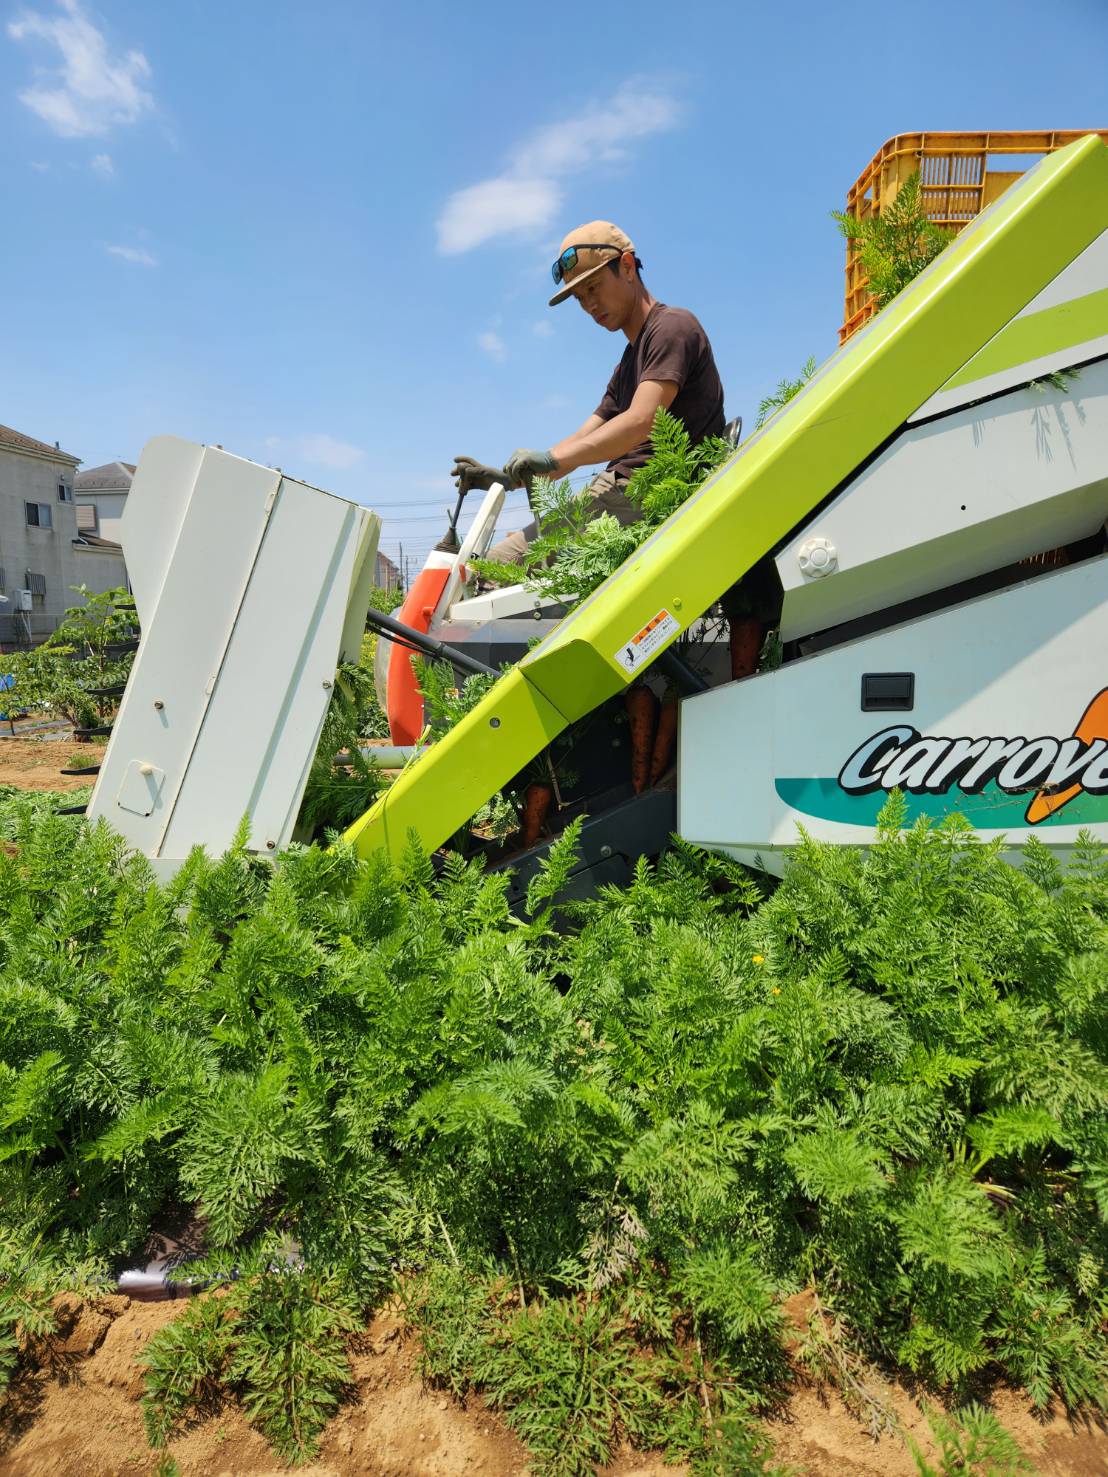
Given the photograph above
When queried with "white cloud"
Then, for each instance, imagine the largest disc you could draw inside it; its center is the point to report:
(598, 132)
(542, 329)
(93, 89)
(317, 449)
(40, 166)
(102, 165)
(133, 254)
(524, 199)
(493, 345)
(496, 207)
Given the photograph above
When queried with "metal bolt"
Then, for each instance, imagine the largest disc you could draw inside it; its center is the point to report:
(326, 687)
(605, 851)
(271, 845)
(158, 704)
(677, 602)
(494, 722)
(817, 558)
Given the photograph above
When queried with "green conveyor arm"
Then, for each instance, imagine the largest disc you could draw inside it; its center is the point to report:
(845, 413)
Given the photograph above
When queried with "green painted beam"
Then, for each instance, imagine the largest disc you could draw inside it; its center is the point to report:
(1065, 326)
(854, 403)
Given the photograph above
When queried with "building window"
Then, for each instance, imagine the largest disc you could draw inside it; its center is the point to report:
(3, 579)
(88, 519)
(65, 494)
(39, 515)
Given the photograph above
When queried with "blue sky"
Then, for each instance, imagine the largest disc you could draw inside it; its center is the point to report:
(320, 234)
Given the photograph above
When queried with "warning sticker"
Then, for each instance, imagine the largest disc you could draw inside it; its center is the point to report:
(646, 642)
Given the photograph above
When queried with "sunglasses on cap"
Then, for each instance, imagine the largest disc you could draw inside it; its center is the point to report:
(568, 259)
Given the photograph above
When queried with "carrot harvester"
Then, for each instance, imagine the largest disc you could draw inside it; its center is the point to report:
(933, 506)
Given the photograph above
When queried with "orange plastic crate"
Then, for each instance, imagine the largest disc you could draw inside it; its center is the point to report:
(956, 182)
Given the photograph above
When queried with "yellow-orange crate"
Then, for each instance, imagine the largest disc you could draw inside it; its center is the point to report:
(956, 182)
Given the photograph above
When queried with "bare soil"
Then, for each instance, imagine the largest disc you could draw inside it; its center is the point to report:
(76, 1413)
(34, 763)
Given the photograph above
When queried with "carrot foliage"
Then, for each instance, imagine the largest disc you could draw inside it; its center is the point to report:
(600, 1162)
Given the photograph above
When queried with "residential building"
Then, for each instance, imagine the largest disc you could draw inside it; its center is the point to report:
(101, 495)
(387, 576)
(43, 557)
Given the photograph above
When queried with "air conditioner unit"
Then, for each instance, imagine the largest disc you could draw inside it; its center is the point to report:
(23, 600)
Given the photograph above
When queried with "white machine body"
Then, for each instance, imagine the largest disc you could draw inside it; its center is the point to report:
(934, 651)
(250, 588)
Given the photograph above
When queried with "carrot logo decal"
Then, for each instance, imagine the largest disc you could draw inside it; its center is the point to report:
(1052, 770)
(997, 783)
(1092, 729)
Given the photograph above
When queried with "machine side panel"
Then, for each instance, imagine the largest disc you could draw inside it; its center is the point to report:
(1016, 669)
(979, 488)
(1066, 323)
(184, 643)
(855, 402)
(273, 688)
(160, 491)
(361, 586)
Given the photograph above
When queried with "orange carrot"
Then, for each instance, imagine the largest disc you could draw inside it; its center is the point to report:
(745, 643)
(536, 803)
(665, 739)
(642, 707)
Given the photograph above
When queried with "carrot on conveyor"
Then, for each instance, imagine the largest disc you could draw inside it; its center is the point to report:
(642, 709)
(665, 739)
(536, 805)
(745, 642)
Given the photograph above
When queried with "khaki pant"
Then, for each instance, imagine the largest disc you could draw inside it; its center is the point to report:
(606, 491)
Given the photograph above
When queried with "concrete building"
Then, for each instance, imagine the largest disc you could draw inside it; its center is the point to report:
(100, 494)
(42, 554)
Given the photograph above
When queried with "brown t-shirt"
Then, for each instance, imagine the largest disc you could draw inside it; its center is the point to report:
(671, 346)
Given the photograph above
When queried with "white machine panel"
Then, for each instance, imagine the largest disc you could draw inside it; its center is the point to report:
(1001, 686)
(980, 488)
(249, 586)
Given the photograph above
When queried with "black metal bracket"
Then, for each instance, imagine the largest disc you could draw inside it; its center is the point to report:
(611, 842)
(680, 673)
(394, 630)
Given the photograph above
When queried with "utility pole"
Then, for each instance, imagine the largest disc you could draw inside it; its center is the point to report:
(400, 569)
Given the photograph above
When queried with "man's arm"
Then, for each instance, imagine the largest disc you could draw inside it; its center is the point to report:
(602, 441)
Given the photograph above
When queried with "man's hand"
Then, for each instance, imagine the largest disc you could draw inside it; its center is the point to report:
(469, 474)
(523, 464)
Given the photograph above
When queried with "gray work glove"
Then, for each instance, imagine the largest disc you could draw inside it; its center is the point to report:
(469, 474)
(524, 464)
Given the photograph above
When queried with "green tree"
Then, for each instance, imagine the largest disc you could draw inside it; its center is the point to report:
(66, 673)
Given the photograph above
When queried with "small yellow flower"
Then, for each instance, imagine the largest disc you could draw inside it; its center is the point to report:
(776, 991)
(758, 958)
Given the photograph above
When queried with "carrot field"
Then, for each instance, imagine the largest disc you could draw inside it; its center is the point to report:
(631, 1173)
